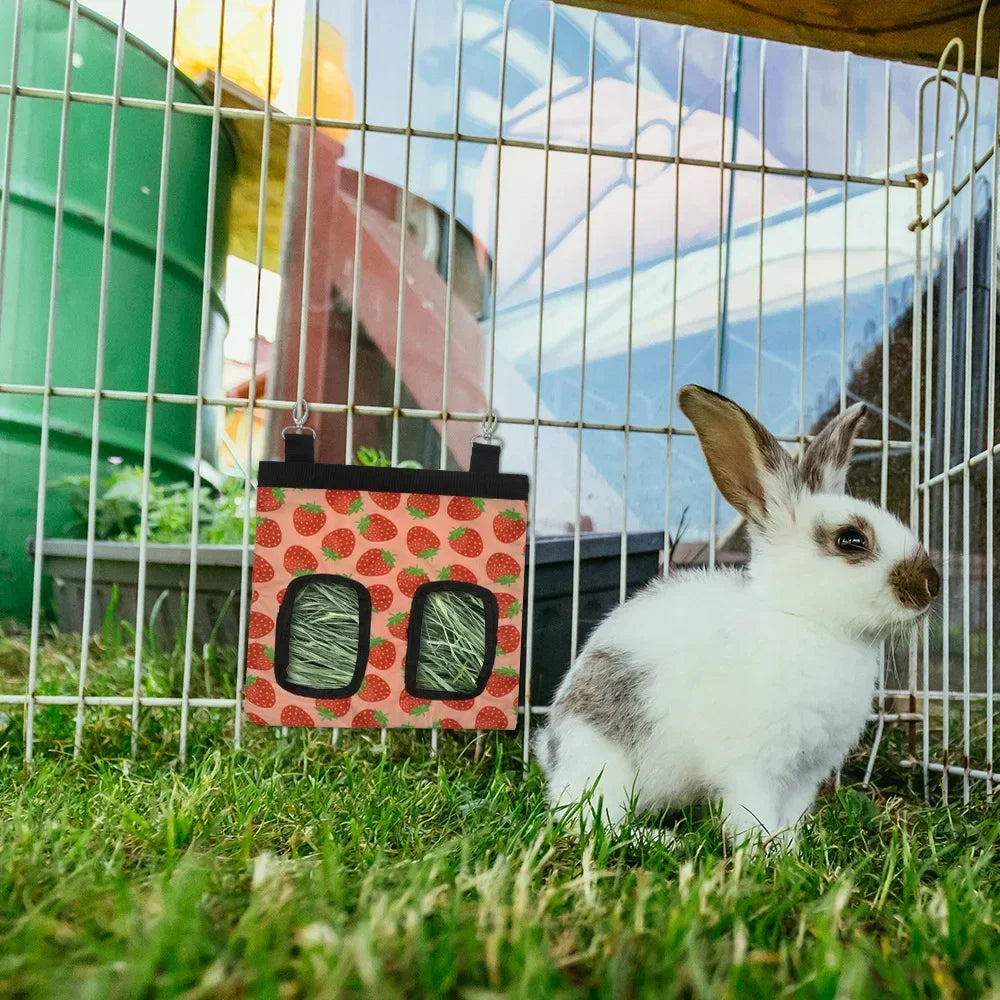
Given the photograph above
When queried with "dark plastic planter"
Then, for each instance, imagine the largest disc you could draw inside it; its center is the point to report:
(116, 565)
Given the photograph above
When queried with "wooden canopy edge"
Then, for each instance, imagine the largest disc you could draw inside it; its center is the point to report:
(913, 31)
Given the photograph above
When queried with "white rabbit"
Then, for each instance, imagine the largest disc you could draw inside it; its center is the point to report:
(745, 687)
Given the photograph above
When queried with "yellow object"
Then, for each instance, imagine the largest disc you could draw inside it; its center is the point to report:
(334, 98)
(246, 42)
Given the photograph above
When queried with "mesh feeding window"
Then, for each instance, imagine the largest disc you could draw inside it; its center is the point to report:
(452, 641)
(323, 639)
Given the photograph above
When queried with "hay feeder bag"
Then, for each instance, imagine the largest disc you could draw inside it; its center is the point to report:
(387, 597)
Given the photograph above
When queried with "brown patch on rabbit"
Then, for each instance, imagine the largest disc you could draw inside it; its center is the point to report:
(603, 692)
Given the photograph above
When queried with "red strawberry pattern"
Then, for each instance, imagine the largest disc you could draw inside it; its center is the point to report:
(392, 543)
(260, 657)
(294, 715)
(411, 705)
(502, 681)
(344, 501)
(260, 692)
(508, 605)
(338, 544)
(373, 688)
(376, 562)
(382, 654)
(387, 501)
(466, 508)
(466, 542)
(508, 526)
(422, 542)
(268, 534)
(399, 623)
(269, 498)
(327, 708)
(308, 519)
(260, 624)
(422, 505)
(410, 579)
(457, 573)
(262, 570)
(376, 528)
(502, 568)
(381, 596)
(370, 718)
(299, 560)
(508, 639)
(491, 717)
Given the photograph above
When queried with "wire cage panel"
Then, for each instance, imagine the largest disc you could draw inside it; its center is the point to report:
(479, 208)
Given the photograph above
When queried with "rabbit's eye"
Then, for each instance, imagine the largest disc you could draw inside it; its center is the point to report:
(851, 540)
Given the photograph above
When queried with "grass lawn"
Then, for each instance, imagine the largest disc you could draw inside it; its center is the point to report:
(296, 869)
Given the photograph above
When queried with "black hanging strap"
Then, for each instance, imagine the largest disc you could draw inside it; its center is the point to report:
(300, 447)
(485, 458)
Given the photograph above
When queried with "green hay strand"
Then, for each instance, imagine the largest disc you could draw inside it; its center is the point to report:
(452, 642)
(323, 647)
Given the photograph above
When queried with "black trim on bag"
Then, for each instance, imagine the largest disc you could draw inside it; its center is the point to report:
(283, 635)
(491, 611)
(314, 475)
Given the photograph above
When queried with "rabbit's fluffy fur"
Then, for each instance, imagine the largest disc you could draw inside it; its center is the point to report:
(745, 687)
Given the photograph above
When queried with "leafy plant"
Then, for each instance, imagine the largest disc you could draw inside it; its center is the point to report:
(118, 511)
(377, 457)
(118, 514)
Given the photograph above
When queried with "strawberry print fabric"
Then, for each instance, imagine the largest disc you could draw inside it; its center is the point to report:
(392, 543)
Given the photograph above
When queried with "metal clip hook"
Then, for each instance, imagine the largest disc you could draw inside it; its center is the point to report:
(299, 420)
(489, 426)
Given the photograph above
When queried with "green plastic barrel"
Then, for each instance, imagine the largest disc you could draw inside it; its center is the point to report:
(24, 308)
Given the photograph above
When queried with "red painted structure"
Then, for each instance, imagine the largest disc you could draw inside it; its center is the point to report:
(328, 322)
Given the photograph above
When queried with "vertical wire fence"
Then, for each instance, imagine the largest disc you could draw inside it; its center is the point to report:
(949, 172)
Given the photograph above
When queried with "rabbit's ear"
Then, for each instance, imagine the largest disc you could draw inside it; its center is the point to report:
(748, 464)
(824, 465)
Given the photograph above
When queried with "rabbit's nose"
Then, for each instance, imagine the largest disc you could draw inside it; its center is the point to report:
(932, 581)
(915, 582)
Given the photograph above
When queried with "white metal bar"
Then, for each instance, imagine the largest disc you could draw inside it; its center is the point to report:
(288, 405)
(970, 296)
(575, 613)
(95, 425)
(206, 320)
(720, 279)
(803, 334)
(449, 292)
(886, 335)
(496, 206)
(401, 290)
(248, 484)
(762, 118)
(529, 611)
(149, 397)
(671, 375)
(946, 444)
(843, 262)
(623, 559)
(300, 411)
(50, 339)
(237, 114)
(352, 364)
(990, 436)
(8, 146)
